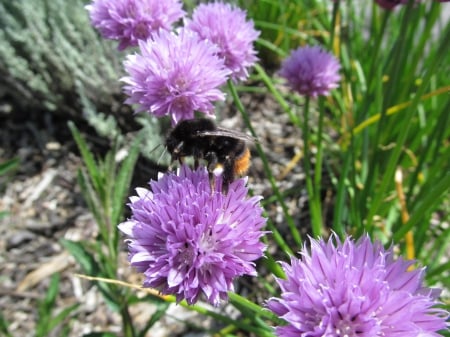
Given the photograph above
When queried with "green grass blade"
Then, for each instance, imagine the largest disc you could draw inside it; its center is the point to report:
(91, 198)
(123, 180)
(63, 315)
(84, 258)
(87, 156)
(9, 165)
(4, 327)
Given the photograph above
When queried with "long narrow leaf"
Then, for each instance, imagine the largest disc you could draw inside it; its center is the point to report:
(61, 316)
(90, 196)
(86, 260)
(123, 180)
(87, 156)
(52, 291)
(9, 165)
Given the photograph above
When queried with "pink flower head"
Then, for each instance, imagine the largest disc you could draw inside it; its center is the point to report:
(355, 289)
(129, 21)
(175, 75)
(311, 71)
(226, 26)
(190, 240)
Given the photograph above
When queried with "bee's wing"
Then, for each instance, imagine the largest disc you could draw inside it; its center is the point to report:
(227, 133)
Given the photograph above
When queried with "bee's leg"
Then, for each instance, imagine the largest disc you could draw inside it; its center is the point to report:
(197, 155)
(228, 173)
(214, 168)
(180, 160)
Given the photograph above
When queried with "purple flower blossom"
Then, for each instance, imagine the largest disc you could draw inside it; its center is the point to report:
(311, 71)
(175, 75)
(188, 239)
(226, 26)
(132, 20)
(355, 289)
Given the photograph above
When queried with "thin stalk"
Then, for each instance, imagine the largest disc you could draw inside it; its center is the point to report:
(319, 145)
(276, 94)
(127, 322)
(319, 158)
(266, 165)
(314, 207)
(258, 310)
(279, 239)
(338, 216)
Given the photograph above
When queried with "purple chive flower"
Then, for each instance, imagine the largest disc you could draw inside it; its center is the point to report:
(188, 239)
(355, 289)
(132, 20)
(311, 71)
(226, 26)
(175, 75)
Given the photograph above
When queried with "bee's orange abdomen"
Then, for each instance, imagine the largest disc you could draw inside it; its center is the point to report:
(242, 163)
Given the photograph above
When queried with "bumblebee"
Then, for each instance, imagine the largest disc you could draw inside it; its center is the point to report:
(225, 151)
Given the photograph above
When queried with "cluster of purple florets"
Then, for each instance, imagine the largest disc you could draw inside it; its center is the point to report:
(178, 69)
(190, 239)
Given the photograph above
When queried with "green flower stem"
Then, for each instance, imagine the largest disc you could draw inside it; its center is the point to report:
(241, 324)
(279, 239)
(339, 206)
(245, 324)
(276, 94)
(314, 195)
(127, 323)
(319, 145)
(266, 165)
(241, 302)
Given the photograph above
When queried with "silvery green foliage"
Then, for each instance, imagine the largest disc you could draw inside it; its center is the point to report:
(51, 58)
(49, 46)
